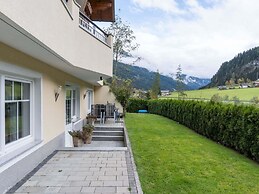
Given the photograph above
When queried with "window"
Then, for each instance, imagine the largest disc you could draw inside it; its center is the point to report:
(17, 110)
(20, 110)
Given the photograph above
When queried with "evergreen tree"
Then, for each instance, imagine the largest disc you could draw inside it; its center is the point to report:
(248, 81)
(227, 83)
(179, 82)
(241, 80)
(155, 90)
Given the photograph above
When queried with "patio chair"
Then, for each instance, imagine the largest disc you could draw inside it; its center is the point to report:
(99, 110)
(112, 112)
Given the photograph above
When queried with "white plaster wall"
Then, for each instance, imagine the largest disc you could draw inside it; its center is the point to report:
(103, 94)
(53, 118)
(51, 24)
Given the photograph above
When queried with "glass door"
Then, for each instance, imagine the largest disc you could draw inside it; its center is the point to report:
(70, 105)
(89, 100)
(72, 112)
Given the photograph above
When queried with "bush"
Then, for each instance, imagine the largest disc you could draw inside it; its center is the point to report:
(225, 98)
(136, 104)
(236, 100)
(234, 126)
(216, 98)
(255, 100)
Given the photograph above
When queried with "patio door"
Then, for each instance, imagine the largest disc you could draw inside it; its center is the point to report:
(72, 111)
(89, 100)
(70, 106)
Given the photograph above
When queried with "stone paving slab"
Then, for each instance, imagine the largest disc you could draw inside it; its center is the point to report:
(81, 172)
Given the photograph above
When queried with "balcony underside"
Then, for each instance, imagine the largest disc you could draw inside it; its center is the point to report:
(98, 10)
(15, 37)
(103, 10)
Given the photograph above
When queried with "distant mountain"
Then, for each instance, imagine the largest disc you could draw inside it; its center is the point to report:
(195, 82)
(142, 78)
(244, 65)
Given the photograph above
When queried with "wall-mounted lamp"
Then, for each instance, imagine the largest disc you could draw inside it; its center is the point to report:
(57, 92)
(100, 82)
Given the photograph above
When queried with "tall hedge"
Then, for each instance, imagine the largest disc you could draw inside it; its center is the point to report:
(137, 104)
(234, 126)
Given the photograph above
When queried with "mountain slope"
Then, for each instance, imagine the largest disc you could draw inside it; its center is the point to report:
(143, 79)
(195, 82)
(244, 65)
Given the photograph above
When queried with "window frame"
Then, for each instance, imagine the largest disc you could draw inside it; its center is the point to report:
(14, 71)
(25, 140)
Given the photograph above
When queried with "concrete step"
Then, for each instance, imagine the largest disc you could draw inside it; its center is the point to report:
(108, 133)
(99, 128)
(107, 138)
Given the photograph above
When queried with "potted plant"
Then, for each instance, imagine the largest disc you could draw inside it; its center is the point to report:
(87, 132)
(91, 119)
(76, 135)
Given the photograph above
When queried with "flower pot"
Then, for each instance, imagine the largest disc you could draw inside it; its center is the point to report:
(76, 142)
(91, 119)
(84, 141)
(87, 132)
(85, 137)
(89, 139)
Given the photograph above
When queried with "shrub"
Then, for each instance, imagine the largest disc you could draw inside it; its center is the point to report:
(216, 98)
(234, 126)
(255, 100)
(136, 104)
(225, 98)
(236, 100)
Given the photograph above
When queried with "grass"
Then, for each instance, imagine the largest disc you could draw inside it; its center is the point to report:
(171, 158)
(243, 94)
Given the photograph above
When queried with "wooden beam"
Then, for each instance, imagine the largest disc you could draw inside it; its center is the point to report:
(101, 6)
(102, 10)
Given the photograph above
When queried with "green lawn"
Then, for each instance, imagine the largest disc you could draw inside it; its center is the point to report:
(242, 94)
(171, 158)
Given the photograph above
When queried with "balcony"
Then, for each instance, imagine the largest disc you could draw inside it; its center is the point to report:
(87, 25)
(58, 35)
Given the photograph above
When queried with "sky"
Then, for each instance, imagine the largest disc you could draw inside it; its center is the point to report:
(198, 34)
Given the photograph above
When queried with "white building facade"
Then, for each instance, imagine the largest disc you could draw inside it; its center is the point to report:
(51, 58)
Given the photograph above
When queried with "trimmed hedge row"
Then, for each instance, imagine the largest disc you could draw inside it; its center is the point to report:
(234, 126)
(137, 104)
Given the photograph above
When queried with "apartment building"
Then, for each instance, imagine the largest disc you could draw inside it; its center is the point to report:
(52, 59)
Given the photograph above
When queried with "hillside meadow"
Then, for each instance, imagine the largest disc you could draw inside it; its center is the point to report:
(245, 94)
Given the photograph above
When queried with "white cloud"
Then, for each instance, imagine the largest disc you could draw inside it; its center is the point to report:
(201, 44)
(164, 5)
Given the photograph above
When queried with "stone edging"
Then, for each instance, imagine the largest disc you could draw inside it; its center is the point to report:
(131, 157)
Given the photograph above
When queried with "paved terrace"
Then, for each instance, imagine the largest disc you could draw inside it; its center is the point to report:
(80, 170)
